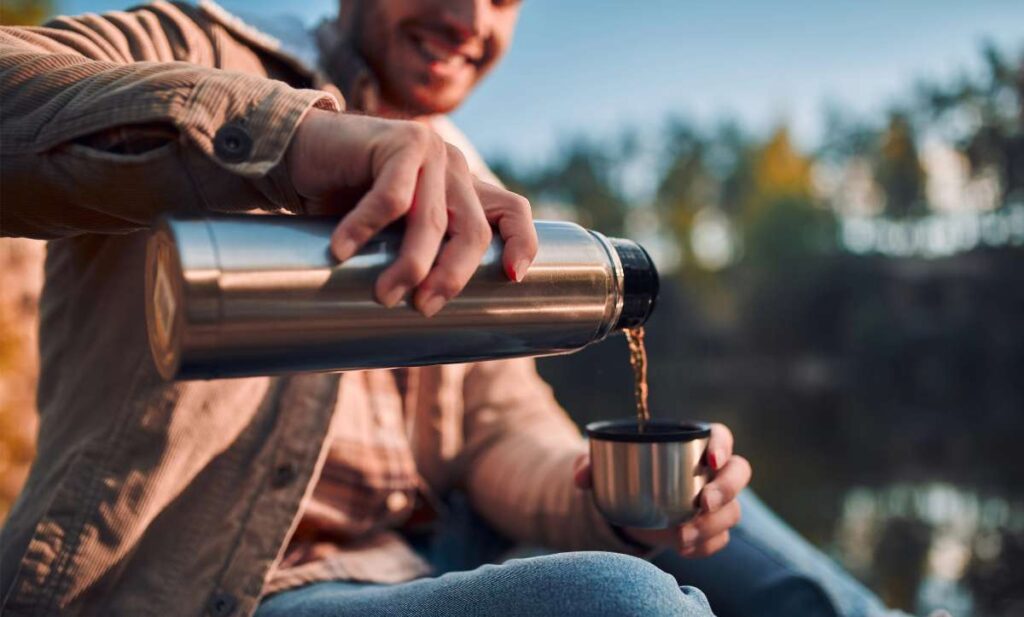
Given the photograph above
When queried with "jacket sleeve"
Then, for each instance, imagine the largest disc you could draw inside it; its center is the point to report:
(517, 461)
(160, 70)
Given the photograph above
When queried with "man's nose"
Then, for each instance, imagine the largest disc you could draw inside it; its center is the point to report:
(468, 17)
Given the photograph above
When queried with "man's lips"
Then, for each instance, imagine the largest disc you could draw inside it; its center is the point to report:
(439, 52)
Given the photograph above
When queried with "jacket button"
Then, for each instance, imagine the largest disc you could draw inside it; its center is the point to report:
(232, 143)
(283, 475)
(221, 604)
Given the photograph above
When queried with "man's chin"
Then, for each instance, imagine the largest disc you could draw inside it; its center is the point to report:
(430, 101)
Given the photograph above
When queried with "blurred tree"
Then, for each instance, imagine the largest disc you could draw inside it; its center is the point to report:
(686, 184)
(20, 281)
(731, 156)
(846, 136)
(898, 169)
(900, 558)
(515, 179)
(701, 184)
(998, 581)
(788, 236)
(703, 171)
(586, 176)
(24, 12)
(780, 172)
(986, 116)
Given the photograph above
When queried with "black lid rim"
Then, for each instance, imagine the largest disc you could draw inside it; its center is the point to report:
(656, 283)
(677, 431)
(641, 283)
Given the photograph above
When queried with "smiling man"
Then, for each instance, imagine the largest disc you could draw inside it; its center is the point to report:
(427, 57)
(370, 493)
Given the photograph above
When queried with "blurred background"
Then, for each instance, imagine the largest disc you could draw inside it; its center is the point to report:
(835, 197)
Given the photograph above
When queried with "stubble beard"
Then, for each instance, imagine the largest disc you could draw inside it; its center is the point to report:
(373, 38)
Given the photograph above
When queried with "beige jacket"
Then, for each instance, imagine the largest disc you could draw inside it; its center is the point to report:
(153, 498)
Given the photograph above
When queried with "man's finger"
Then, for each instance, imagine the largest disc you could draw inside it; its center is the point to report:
(425, 226)
(728, 482)
(719, 446)
(707, 526)
(388, 199)
(583, 476)
(708, 548)
(469, 237)
(513, 217)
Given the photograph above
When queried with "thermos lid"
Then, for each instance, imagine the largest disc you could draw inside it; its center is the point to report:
(640, 283)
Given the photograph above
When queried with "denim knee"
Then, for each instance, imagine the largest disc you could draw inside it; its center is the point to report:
(614, 584)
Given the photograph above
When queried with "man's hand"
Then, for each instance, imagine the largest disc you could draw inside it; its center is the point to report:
(708, 532)
(405, 170)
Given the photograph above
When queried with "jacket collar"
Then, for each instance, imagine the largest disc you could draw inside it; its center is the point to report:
(346, 67)
(322, 57)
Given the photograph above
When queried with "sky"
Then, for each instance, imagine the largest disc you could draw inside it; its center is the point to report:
(592, 67)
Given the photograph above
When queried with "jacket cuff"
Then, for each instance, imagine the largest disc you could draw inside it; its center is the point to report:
(247, 133)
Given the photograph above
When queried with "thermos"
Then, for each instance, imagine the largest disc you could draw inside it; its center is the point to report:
(246, 295)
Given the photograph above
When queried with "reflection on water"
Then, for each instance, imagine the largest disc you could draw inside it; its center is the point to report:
(933, 546)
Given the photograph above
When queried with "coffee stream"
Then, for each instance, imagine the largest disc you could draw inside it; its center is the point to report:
(638, 359)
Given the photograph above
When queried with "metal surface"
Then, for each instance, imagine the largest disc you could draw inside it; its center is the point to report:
(259, 295)
(651, 485)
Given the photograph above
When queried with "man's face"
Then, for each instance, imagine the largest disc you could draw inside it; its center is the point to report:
(428, 54)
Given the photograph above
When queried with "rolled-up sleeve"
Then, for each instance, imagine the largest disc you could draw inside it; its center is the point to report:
(84, 77)
(517, 461)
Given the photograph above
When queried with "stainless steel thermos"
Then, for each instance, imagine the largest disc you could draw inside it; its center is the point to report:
(259, 295)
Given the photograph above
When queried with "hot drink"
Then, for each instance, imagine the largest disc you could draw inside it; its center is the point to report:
(647, 473)
(648, 476)
(638, 360)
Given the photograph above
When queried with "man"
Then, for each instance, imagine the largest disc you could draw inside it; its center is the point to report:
(306, 495)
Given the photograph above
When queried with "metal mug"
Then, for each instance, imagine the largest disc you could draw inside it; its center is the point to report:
(648, 479)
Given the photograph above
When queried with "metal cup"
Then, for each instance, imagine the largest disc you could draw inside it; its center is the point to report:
(648, 479)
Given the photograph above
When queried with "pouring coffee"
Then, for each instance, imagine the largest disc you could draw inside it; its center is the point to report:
(647, 473)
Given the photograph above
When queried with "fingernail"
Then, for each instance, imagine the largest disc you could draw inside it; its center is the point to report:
(712, 499)
(344, 248)
(520, 269)
(393, 297)
(689, 536)
(712, 460)
(431, 304)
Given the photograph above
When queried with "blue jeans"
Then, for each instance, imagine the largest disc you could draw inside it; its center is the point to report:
(766, 570)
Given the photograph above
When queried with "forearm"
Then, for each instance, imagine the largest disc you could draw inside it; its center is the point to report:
(518, 462)
(525, 489)
(228, 133)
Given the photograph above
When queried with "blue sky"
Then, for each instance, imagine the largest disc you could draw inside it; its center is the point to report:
(592, 66)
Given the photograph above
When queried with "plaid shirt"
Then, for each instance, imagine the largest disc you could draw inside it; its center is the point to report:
(367, 488)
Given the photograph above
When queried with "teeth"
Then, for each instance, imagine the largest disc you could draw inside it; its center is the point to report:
(441, 53)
